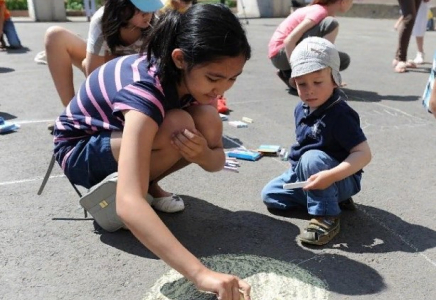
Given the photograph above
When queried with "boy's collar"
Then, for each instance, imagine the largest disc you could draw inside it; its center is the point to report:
(337, 96)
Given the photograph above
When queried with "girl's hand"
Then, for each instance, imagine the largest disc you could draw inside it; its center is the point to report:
(226, 287)
(319, 181)
(191, 145)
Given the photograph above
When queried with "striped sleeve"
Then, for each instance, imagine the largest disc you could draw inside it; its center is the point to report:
(141, 96)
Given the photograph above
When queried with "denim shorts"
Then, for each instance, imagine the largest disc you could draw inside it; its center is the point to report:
(91, 160)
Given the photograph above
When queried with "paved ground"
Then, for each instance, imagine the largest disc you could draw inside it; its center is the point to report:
(386, 250)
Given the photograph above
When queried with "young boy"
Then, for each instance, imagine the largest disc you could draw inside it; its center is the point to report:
(330, 150)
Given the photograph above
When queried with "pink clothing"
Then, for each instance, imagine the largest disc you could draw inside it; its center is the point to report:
(315, 12)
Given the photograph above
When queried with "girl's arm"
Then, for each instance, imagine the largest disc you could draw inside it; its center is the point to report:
(132, 186)
(359, 157)
(291, 40)
(92, 62)
(143, 222)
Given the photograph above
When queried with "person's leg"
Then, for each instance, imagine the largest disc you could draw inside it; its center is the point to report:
(274, 196)
(11, 34)
(323, 205)
(207, 121)
(328, 28)
(325, 202)
(408, 9)
(344, 60)
(63, 50)
(87, 9)
(164, 158)
(92, 7)
(419, 29)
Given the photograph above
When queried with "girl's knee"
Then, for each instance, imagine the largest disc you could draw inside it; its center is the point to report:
(176, 120)
(208, 122)
(329, 25)
(54, 35)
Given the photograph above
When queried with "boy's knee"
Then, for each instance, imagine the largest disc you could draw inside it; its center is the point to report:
(314, 161)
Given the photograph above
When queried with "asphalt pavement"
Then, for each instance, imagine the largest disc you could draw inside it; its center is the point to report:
(385, 250)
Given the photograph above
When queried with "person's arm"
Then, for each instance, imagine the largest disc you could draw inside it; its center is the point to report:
(144, 223)
(359, 157)
(291, 40)
(92, 62)
(432, 101)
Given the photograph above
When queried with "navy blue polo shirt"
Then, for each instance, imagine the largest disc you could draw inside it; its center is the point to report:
(333, 128)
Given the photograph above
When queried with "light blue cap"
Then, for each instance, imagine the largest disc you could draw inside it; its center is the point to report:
(147, 5)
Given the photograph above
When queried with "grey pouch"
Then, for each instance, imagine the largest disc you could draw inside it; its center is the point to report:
(100, 203)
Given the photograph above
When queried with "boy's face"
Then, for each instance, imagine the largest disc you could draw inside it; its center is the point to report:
(315, 88)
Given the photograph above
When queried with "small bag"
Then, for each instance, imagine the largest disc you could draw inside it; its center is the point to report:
(428, 88)
(100, 203)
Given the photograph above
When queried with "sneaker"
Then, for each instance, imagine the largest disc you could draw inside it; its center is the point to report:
(169, 204)
(348, 205)
(41, 58)
(320, 230)
(419, 59)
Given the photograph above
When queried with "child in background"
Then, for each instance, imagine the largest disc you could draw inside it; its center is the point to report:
(148, 116)
(330, 149)
(316, 19)
(7, 27)
(118, 28)
(179, 5)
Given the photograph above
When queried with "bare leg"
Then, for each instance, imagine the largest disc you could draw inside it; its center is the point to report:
(208, 122)
(332, 35)
(64, 49)
(420, 43)
(164, 158)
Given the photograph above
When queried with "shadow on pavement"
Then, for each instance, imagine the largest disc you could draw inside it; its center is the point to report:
(207, 230)
(6, 70)
(6, 115)
(21, 50)
(370, 96)
(373, 230)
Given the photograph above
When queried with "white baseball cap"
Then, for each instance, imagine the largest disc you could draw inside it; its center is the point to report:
(147, 5)
(313, 54)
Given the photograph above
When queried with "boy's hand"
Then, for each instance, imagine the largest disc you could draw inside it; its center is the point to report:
(319, 181)
(191, 145)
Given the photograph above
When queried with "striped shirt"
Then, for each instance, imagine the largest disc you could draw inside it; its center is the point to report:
(124, 83)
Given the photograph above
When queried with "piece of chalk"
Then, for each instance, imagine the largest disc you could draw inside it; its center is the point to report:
(247, 120)
(231, 169)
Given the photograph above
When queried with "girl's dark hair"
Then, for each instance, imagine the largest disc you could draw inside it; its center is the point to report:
(205, 33)
(116, 15)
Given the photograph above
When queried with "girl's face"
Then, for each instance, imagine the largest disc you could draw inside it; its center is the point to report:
(346, 5)
(315, 88)
(206, 82)
(141, 19)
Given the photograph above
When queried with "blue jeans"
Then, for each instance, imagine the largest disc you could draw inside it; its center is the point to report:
(91, 160)
(11, 34)
(318, 202)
